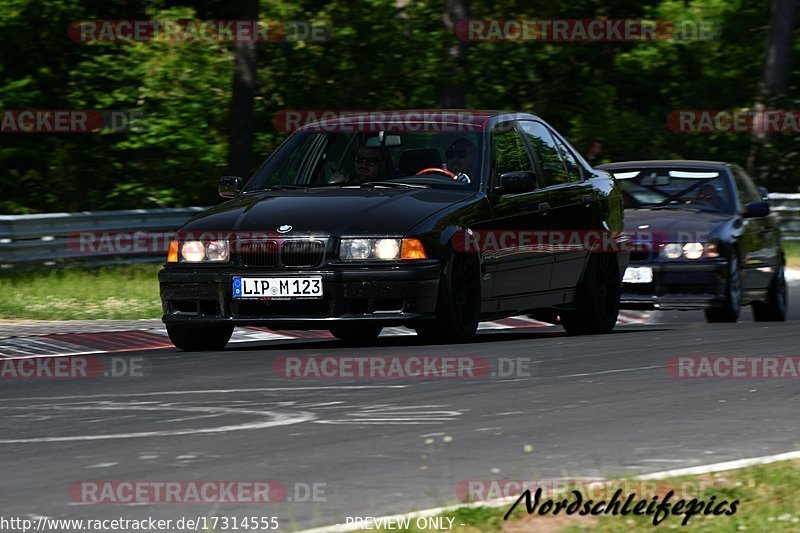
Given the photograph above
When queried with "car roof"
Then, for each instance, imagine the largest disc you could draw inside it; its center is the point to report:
(665, 163)
(446, 116)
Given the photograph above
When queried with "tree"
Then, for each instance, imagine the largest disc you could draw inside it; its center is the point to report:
(243, 97)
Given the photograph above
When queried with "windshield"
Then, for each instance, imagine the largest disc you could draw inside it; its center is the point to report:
(675, 189)
(356, 159)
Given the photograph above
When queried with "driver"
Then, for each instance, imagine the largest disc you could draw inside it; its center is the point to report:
(461, 157)
(708, 194)
(370, 164)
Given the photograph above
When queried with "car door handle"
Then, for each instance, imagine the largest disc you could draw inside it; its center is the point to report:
(588, 198)
(544, 206)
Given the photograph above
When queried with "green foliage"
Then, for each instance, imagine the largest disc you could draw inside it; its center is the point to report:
(381, 55)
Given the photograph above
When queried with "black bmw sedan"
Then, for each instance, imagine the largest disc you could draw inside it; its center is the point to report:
(357, 223)
(706, 240)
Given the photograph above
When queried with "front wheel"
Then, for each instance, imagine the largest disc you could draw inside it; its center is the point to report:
(732, 306)
(199, 337)
(597, 298)
(357, 335)
(774, 309)
(458, 305)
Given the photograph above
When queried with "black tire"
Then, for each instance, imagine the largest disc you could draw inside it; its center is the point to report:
(199, 338)
(357, 335)
(597, 298)
(730, 309)
(774, 309)
(458, 304)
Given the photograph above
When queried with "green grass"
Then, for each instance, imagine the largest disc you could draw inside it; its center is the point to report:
(792, 249)
(122, 292)
(767, 502)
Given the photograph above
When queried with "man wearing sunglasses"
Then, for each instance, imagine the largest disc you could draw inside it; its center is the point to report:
(370, 164)
(461, 157)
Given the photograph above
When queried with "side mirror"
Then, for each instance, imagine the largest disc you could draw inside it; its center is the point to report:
(517, 182)
(764, 193)
(230, 186)
(756, 210)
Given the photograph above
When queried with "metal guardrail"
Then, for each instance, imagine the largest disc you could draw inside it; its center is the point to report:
(787, 207)
(54, 239)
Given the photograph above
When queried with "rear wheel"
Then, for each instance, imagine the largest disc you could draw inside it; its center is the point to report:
(199, 338)
(730, 309)
(357, 335)
(597, 298)
(774, 308)
(458, 305)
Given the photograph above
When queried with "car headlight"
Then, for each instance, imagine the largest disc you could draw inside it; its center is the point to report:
(356, 249)
(381, 249)
(672, 250)
(199, 251)
(689, 250)
(217, 251)
(693, 250)
(193, 251)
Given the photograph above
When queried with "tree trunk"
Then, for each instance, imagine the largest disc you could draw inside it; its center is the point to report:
(452, 94)
(777, 65)
(243, 98)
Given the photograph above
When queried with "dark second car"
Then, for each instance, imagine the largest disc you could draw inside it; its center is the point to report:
(706, 240)
(355, 224)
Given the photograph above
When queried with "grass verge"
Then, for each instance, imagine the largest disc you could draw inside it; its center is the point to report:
(792, 250)
(766, 494)
(119, 292)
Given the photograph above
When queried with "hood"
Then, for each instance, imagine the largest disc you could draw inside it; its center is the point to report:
(675, 225)
(328, 212)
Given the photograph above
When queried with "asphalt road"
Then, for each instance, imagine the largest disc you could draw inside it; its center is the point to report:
(590, 406)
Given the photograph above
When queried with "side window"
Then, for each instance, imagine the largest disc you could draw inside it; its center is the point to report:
(510, 154)
(747, 190)
(573, 168)
(548, 153)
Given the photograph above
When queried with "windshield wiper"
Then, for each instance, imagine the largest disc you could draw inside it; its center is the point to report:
(283, 187)
(395, 185)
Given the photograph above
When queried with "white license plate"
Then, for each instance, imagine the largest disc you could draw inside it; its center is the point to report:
(306, 287)
(638, 275)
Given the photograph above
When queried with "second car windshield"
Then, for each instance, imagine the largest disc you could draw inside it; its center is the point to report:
(339, 159)
(675, 189)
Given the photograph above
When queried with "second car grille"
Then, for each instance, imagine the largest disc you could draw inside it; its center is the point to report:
(294, 253)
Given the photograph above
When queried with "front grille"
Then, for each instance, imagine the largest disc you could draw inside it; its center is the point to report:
(258, 253)
(640, 255)
(302, 253)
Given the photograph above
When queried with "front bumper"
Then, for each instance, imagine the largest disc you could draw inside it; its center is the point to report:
(381, 294)
(678, 285)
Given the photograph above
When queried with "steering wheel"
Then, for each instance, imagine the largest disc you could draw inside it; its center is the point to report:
(437, 170)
